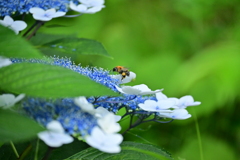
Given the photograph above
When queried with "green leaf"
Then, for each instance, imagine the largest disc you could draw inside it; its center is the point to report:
(44, 80)
(69, 45)
(15, 127)
(12, 45)
(130, 150)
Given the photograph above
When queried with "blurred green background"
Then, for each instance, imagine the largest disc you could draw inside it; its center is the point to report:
(184, 46)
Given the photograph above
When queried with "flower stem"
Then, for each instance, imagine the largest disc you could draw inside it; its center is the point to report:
(198, 135)
(48, 153)
(30, 28)
(138, 122)
(39, 24)
(25, 152)
(14, 149)
(37, 148)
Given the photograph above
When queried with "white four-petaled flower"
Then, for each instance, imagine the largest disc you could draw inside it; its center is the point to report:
(104, 142)
(180, 103)
(55, 135)
(42, 15)
(169, 107)
(141, 89)
(87, 6)
(8, 100)
(16, 26)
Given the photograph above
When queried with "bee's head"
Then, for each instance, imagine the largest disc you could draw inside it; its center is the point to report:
(115, 69)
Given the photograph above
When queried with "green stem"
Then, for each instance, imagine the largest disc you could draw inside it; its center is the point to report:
(14, 149)
(37, 148)
(198, 135)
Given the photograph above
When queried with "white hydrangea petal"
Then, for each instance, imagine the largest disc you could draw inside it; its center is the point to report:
(179, 114)
(112, 143)
(41, 17)
(116, 138)
(141, 89)
(8, 100)
(78, 8)
(145, 90)
(131, 90)
(36, 10)
(81, 8)
(55, 126)
(101, 112)
(53, 139)
(108, 124)
(148, 105)
(165, 104)
(196, 103)
(18, 25)
(186, 101)
(93, 10)
(153, 106)
(132, 76)
(50, 12)
(117, 118)
(55, 136)
(104, 142)
(8, 21)
(84, 104)
(119, 89)
(3, 23)
(58, 14)
(95, 138)
(161, 96)
(150, 92)
(92, 3)
(127, 79)
(4, 61)
(73, 6)
(187, 98)
(19, 98)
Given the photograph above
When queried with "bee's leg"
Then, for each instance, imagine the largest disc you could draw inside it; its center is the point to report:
(123, 76)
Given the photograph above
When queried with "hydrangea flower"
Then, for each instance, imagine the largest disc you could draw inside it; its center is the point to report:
(93, 119)
(141, 89)
(132, 76)
(4, 61)
(16, 26)
(104, 142)
(55, 135)
(11, 7)
(87, 6)
(8, 100)
(42, 15)
(182, 103)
